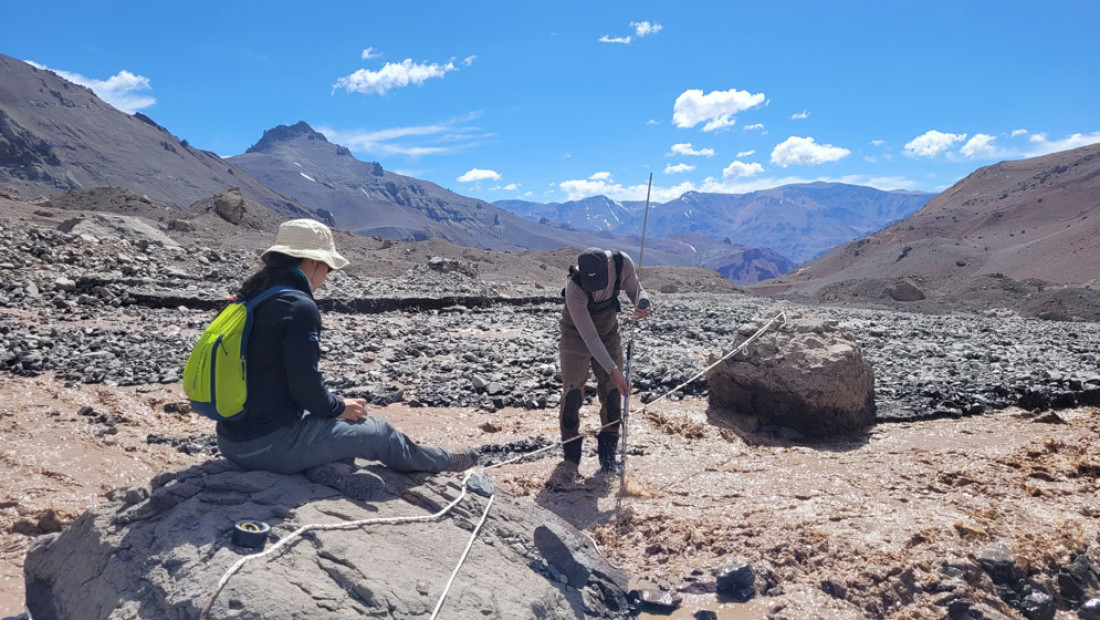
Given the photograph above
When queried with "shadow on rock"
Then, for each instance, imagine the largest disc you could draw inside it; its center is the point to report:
(158, 550)
(754, 431)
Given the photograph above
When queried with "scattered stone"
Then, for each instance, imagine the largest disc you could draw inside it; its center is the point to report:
(734, 575)
(905, 291)
(1038, 606)
(658, 601)
(999, 562)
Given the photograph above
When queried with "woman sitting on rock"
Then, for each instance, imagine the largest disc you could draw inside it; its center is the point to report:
(291, 421)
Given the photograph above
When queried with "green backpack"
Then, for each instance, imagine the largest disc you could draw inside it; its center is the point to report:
(214, 377)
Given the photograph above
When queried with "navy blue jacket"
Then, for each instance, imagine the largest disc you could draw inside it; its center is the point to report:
(282, 376)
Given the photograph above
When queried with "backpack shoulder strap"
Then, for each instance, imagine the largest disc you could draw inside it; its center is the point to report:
(618, 256)
(268, 294)
(252, 304)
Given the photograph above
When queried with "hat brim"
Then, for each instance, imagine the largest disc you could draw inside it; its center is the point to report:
(330, 258)
(595, 283)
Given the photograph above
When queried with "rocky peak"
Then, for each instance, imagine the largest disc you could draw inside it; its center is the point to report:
(285, 133)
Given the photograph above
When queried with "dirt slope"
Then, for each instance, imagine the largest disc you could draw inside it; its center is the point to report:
(1035, 218)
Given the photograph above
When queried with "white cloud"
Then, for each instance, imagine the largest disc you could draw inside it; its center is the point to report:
(477, 174)
(804, 151)
(120, 90)
(797, 116)
(652, 122)
(511, 186)
(1043, 146)
(642, 29)
(448, 137)
(738, 170)
(369, 54)
(577, 189)
(610, 39)
(981, 147)
(753, 126)
(741, 154)
(1018, 132)
(678, 168)
(878, 142)
(583, 188)
(469, 60)
(717, 109)
(393, 75)
(685, 148)
(600, 176)
(932, 143)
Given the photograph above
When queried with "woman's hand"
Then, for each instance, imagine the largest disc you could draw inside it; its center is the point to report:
(355, 409)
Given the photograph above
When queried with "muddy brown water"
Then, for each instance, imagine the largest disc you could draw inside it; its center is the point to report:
(875, 514)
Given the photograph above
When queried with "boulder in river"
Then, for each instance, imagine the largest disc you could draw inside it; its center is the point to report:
(806, 374)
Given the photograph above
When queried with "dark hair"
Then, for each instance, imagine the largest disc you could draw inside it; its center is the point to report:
(275, 266)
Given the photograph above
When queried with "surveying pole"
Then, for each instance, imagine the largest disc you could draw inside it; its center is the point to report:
(630, 344)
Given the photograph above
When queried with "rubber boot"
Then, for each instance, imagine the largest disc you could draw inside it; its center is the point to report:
(572, 451)
(607, 446)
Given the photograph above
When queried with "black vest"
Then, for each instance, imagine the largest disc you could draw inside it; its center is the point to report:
(596, 307)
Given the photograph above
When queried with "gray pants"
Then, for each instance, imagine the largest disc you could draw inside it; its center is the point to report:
(315, 441)
(576, 360)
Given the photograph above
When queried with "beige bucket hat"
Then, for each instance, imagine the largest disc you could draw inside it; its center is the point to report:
(307, 238)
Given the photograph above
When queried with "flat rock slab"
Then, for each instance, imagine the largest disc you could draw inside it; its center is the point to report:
(158, 550)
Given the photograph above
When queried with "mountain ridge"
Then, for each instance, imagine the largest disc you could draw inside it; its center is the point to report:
(368, 200)
(57, 136)
(798, 221)
(1037, 218)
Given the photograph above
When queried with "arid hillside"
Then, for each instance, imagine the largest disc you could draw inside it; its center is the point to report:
(1036, 218)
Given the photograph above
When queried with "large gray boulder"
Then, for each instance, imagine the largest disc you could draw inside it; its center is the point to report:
(806, 374)
(158, 551)
(108, 226)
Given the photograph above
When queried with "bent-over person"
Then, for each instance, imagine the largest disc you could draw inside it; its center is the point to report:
(590, 338)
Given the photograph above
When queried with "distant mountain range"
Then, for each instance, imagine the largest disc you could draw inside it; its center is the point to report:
(364, 198)
(57, 136)
(797, 221)
(1034, 218)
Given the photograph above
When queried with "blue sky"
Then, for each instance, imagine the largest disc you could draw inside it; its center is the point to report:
(549, 101)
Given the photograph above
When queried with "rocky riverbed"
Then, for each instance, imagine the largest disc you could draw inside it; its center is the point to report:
(95, 326)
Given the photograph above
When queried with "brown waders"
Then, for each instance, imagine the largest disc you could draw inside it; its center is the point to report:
(575, 362)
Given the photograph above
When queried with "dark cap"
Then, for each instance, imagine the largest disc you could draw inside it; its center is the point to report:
(592, 265)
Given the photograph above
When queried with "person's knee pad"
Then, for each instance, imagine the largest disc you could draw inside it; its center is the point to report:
(614, 405)
(571, 410)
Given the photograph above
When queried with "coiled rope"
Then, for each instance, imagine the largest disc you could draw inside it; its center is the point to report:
(344, 526)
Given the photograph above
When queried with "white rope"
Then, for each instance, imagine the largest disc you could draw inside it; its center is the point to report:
(470, 544)
(326, 526)
(410, 519)
(759, 332)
